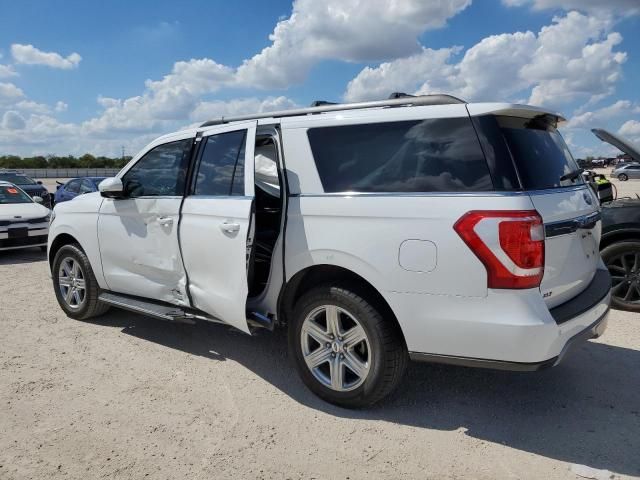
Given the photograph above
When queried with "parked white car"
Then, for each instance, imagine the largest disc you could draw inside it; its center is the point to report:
(24, 222)
(419, 228)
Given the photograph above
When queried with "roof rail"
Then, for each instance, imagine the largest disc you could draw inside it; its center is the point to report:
(420, 100)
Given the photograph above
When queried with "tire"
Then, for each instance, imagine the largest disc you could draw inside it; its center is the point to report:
(382, 351)
(86, 304)
(623, 177)
(623, 261)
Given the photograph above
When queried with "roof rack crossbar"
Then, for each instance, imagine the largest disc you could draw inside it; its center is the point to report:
(416, 101)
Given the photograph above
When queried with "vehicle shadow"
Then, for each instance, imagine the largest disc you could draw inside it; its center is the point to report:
(585, 411)
(27, 255)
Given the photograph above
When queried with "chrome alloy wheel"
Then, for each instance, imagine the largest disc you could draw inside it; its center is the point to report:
(71, 282)
(335, 348)
(625, 275)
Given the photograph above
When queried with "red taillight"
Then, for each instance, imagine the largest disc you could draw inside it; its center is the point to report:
(509, 243)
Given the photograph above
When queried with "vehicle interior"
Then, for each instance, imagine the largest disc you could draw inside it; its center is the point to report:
(268, 213)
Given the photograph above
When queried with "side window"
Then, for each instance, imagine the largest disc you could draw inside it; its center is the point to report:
(85, 186)
(221, 166)
(434, 155)
(73, 186)
(161, 172)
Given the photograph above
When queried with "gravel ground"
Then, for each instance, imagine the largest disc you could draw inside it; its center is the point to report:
(130, 397)
(127, 397)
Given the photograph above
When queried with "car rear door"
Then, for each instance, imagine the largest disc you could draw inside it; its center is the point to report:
(216, 222)
(568, 206)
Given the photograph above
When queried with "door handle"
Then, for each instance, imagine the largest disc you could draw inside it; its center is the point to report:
(229, 227)
(165, 221)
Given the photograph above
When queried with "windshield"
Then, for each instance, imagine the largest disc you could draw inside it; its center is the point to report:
(9, 194)
(17, 179)
(542, 158)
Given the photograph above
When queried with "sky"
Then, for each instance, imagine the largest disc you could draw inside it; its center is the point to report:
(93, 77)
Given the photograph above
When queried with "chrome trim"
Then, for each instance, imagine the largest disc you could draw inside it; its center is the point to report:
(514, 193)
(567, 227)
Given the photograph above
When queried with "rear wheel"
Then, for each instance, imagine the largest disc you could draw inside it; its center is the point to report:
(623, 261)
(344, 349)
(623, 177)
(75, 285)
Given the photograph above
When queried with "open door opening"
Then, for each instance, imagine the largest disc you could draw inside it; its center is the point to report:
(267, 214)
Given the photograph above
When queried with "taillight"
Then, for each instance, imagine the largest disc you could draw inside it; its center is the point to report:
(510, 244)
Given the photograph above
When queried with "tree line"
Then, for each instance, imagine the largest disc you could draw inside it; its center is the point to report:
(51, 161)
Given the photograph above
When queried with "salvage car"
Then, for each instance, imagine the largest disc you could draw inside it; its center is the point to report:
(76, 186)
(24, 222)
(419, 227)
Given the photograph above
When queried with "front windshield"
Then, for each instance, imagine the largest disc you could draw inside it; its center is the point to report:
(16, 179)
(9, 194)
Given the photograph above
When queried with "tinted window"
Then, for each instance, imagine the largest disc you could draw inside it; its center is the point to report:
(9, 194)
(539, 152)
(17, 179)
(73, 186)
(221, 166)
(86, 186)
(161, 172)
(435, 155)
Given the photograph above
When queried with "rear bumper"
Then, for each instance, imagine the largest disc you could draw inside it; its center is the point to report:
(512, 330)
(593, 331)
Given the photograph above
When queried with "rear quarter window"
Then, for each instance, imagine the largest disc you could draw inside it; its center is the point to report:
(434, 155)
(539, 153)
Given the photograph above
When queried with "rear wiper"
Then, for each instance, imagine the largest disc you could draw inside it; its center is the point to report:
(572, 175)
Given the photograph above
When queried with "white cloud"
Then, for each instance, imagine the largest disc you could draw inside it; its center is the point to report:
(591, 119)
(7, 71)
(624, 7)
(348, 30)
(570, 59)
(30, 55)
(61, 106)
(12, 120)
(631, 130)
(9, 94)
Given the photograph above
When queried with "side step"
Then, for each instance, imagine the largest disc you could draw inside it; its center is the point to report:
(146, 307)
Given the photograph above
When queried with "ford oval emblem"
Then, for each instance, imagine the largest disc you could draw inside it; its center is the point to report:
(587, 198)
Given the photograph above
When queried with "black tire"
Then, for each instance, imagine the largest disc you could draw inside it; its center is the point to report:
(623, 177)
(623, 261)
(91, 306)
(387, 355)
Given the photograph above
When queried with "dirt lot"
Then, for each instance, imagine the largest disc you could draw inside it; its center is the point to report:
(131, 397)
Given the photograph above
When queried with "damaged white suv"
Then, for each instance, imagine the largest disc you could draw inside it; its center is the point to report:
(419, 228)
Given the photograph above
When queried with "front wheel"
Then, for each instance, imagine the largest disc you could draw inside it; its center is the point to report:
(75, 285)
(345, 351)
(623, 177)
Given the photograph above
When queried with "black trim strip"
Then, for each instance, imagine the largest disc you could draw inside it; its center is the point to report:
(597, 290)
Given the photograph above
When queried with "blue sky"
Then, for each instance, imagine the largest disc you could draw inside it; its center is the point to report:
(79, 76)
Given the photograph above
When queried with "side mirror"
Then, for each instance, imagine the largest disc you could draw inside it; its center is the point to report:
(37, 199)
(39, 182)
(111, 188)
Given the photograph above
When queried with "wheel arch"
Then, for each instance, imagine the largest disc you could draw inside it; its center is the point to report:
(314, 275)
(60, 241)
(623, 235)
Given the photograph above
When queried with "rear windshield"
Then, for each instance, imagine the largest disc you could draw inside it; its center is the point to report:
(16, 179)
(9, 194)
(435, 155)
(540, 154)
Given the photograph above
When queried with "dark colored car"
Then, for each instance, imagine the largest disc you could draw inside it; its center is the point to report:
(620, 249)
(620, 241)
(75, 187)
(29, 185)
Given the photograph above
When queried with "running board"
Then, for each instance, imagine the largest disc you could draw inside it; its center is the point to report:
(152, 309)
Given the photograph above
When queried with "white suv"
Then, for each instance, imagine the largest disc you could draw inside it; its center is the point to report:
(419, 228)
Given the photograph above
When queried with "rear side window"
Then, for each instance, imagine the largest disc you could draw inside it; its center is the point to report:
(434, 155)
(221, 167)
(539, 152)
